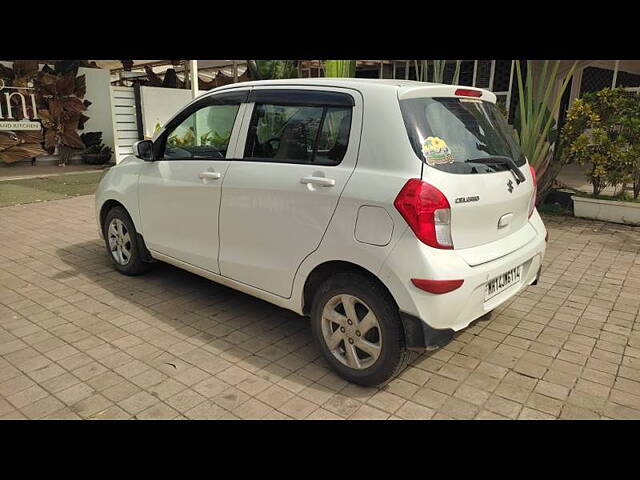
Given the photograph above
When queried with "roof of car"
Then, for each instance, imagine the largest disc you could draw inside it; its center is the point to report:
(330, 82)
(403, 88)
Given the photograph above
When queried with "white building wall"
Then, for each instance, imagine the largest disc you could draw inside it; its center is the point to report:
(159, 105)
(99, 112)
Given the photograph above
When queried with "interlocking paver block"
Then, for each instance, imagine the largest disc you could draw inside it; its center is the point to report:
(175, 345)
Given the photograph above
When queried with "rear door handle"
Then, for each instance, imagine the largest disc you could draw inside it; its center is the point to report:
(321, 181)
(210, 175)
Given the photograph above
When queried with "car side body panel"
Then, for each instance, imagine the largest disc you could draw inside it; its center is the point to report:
(121, 184)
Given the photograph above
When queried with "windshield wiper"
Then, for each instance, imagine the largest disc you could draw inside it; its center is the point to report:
(501, 160)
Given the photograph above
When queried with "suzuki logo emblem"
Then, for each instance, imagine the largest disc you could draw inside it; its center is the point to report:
(510, 186)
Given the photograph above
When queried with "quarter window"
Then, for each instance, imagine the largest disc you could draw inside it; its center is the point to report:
(204, 134)
(316, 134)
(334, 136)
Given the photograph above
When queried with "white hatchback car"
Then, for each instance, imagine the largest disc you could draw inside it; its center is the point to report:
(393, 213)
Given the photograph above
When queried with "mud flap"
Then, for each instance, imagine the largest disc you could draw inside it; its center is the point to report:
(419, 336)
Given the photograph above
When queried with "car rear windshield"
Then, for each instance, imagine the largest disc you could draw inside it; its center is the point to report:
(460, 135)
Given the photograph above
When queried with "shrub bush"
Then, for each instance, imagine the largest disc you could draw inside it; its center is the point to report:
(602, 130)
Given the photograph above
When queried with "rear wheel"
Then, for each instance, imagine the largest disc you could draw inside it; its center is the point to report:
(122, 243)
(359, 330)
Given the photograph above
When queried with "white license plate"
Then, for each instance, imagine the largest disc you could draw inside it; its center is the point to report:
(500, 283)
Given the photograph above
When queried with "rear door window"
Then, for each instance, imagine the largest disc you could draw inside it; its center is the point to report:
(303, 127)
(458, 135)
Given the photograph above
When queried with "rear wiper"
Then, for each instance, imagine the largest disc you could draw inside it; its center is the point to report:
(500, 160)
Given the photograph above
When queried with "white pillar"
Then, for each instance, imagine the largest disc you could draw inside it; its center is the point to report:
(475, 71)
(194, 78)
(508, 104)
(615, 74)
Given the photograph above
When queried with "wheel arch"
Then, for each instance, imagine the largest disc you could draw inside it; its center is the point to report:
(324, 270)
(110, 204)
(412, 327)
(106, 206)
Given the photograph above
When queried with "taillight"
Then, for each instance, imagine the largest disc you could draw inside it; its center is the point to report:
(427, 212)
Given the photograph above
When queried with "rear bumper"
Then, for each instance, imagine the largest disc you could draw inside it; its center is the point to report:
(455, 310)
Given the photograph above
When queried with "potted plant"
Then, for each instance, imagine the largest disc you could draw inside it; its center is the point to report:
(602, 132)
(95, 153)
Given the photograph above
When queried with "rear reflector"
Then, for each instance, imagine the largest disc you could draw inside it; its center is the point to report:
(465, 92)
(437, 286)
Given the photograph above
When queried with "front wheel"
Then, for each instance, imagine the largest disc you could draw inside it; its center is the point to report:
(359, 330)
(122, 243)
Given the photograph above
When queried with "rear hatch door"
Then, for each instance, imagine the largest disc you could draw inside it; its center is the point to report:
(470, 155)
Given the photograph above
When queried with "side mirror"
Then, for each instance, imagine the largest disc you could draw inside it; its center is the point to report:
(143, 149)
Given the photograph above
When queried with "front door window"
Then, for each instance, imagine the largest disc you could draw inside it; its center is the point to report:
(204, 134)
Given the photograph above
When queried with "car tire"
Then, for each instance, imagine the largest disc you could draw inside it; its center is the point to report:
(352, 294)
(124, 244)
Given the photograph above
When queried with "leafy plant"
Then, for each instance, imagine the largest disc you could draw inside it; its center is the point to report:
(94, 145)
(20, 145)
(272, 69)
(340, 68)
(186, 140)
(437, 71)
(22, 73)
(602, 130)
(215, 139)
(537, 106)
(63, 116)
(59, 94)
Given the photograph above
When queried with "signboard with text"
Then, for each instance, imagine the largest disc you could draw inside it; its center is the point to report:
(18, 109)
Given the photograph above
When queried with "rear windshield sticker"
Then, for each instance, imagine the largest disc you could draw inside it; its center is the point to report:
(436, 151)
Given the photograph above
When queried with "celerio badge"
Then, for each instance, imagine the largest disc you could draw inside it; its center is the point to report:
(475, 198)
(510, 186)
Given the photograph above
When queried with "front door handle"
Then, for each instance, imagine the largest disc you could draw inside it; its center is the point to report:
(210, 175)
(321, 181)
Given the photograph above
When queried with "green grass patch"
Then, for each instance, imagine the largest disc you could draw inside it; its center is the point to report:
(42, 189)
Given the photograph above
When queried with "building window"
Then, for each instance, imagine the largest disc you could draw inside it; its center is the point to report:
(595, 79)
(483, 74)
(627, 80)
(502, 75)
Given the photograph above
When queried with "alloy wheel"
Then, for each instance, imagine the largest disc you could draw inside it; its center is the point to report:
(119, 242)
(351, 331)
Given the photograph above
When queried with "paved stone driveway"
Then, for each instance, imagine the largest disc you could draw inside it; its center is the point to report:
(78, 340)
